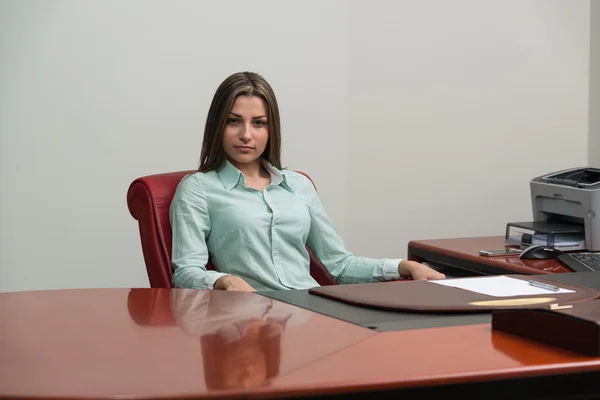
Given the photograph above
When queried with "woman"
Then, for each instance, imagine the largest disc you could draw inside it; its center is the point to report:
(253, 217)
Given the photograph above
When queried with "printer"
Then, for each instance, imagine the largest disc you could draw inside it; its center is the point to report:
(568, 201)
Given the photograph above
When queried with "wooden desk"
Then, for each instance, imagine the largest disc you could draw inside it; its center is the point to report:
(150, 343)
(463, 254)
(430, 358)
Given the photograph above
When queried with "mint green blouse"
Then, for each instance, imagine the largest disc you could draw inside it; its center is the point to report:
(260, 237)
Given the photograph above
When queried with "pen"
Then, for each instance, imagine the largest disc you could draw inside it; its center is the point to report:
(544, 286)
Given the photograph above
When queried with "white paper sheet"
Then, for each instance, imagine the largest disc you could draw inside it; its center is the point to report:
(499, 286)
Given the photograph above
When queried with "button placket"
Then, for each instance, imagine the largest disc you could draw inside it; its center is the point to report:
(274, 245)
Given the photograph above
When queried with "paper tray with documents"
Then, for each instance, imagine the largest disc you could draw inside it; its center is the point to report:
(567, 237)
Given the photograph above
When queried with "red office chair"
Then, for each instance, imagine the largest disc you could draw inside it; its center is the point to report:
(149, 199)
(150, 307)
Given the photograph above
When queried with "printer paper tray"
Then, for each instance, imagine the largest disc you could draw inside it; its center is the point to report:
(562, 246)
(564, 237)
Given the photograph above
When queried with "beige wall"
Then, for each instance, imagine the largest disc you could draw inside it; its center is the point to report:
(594, 104)
(95, 94)
(455, 106)
(416, 119)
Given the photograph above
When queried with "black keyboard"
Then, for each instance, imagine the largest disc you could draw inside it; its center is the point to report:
(581, 262)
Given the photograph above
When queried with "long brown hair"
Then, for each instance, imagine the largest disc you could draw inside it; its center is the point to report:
(238, 84)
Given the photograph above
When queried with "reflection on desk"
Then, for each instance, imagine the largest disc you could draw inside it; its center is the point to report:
(109, 343)
(243, 339)
(240, 335)
(441, 356)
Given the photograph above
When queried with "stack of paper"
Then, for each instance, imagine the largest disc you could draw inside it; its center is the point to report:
(499, 286)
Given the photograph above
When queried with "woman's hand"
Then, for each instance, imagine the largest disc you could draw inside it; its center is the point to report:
(233, 283)
(418, 271)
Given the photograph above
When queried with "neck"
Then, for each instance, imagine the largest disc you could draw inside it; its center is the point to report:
(250, 170)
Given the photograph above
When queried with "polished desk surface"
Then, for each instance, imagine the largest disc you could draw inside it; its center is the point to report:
(150, 343)
(387, 320)
(463, 253)
(102, 343)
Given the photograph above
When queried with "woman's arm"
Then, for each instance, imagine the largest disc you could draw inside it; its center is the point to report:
(344, 266)
(190, 223)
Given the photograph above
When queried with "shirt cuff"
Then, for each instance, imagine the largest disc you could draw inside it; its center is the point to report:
(210, 279)
(391, 269)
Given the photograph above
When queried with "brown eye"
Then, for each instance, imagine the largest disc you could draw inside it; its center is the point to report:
(233, 121)
(260, 123)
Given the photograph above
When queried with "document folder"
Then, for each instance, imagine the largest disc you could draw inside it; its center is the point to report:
(427, 296)
(575, 327)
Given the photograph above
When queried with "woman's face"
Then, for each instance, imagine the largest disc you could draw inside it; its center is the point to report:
(246, 130)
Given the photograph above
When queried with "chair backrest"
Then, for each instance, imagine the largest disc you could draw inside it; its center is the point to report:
(149, 199)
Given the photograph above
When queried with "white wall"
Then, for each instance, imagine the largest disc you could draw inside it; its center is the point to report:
(594, 104)
(95, 94)
(412, 117)
(455, 106)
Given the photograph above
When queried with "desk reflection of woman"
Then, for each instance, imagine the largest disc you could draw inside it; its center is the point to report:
(240, 335)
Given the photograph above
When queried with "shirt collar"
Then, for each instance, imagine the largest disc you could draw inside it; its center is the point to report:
(231, 176)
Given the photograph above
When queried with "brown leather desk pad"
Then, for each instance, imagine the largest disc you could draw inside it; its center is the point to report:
(425, 296)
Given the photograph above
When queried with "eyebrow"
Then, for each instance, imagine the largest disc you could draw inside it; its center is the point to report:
(239, 116)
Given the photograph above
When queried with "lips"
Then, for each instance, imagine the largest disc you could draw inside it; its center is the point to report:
(244, 149)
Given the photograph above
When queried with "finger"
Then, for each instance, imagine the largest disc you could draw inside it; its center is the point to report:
(438, 275)
(239, 289)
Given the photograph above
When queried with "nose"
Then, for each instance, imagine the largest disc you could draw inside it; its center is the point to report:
(245, 135)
